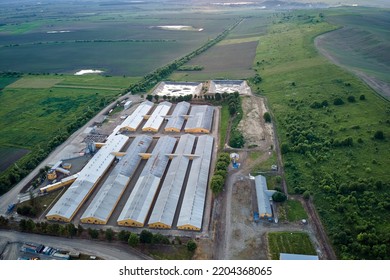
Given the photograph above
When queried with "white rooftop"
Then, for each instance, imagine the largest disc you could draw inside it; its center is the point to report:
(191, 212)
(166, 204)
(141, 198)
(156, 119)
(76, 194)
(109, 194)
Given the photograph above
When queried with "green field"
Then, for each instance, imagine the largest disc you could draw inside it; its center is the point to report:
(295, 211)
(289, 242)
(36, 115)
(329, 150)
(54, 108)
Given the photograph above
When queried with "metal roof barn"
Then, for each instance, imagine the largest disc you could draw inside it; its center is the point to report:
(100, 209)
(191, 212)
(136, 209)
(200, 119)
(297, 257)
(132, 122)
(263, 197)
(156, 119)
(176, 120)
(168, 198)
(67, 206)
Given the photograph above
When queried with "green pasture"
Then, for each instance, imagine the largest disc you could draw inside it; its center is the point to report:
(328, 151)
(34, 116)
(289, 242)
(295, 211)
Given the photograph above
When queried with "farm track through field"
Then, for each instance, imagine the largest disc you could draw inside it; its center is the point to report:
(86, 87)
(326, 247)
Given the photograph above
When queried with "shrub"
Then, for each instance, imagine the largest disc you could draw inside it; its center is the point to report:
(191, 245)
(338, 101)
(362, 97)
(379, 135)
(123, 235)
(351, 99)
(236, 140)
(306, 195)
(146, 236)
(217, 182)
(267, 117)
(133, 240)
(279, 197)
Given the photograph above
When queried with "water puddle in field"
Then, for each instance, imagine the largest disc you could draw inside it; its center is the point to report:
(177, 27)
(58, 31)
(88, 71)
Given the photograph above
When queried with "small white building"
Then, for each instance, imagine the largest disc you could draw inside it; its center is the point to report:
(127, 104)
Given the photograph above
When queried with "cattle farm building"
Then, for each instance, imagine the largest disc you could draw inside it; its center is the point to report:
(170, 190)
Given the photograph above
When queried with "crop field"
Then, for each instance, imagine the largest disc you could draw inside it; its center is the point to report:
(232, 58)
(289, 242)
(9, 155)
(228, 61)
(328, 124)
(118, 41)
(363, 43)
(5, 81)
(30, 83)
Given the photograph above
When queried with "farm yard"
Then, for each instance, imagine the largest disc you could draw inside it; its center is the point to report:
(329, 132)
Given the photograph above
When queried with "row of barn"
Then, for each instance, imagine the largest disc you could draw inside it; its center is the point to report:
(189, 150)
(198, 118)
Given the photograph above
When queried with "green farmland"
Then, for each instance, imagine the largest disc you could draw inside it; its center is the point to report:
(40, 111)
(330, 148)
(118, 41)
(362, 44)
(289, 242)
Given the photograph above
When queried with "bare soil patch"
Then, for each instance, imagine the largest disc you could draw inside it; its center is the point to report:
(253, 126)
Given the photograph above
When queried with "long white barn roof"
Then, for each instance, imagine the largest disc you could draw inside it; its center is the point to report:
(156, 119)
(141, 198)
(263, 196)
(176, 120)
(191, 212)
(72, 199)
(166, 204)
(109, 194)
(201, 116)
(134, 120)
